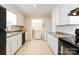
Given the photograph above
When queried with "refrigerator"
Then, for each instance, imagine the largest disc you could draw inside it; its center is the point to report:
(2, 30)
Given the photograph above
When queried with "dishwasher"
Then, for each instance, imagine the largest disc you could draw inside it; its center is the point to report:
(23, 38)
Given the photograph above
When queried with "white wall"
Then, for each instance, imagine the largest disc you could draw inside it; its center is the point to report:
(27, 25)
(12, 8)
(47, 24)
(70, 29)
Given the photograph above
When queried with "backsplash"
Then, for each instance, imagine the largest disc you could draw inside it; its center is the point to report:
(67, 29)
(14, 28)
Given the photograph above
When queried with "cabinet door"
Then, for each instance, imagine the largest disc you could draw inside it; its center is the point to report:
(8, 46)
(20, 20)
(49, 39)
(14, 44)
(45, 36)
(19, 40)
(53, 43)
(11, 18)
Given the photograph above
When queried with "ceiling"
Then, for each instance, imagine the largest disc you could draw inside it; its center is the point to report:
(39, 10)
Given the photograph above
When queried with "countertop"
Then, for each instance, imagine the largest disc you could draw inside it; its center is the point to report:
(61, 34)
(13, 33)
(64, 36)
(68, 38)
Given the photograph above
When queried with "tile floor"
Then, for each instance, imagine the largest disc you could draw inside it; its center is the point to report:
(35, 47)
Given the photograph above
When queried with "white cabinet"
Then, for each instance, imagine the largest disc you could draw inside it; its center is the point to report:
(11, 18)
(53, 43)
(8, 46)
(57, 15)
(49, 39)
(19, 40)
(60, 14)
(13, 44)
(20, 20)
(44, 36)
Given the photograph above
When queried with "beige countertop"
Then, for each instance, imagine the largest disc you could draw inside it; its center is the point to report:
(64, 36)
(12, 33)
(61, 34)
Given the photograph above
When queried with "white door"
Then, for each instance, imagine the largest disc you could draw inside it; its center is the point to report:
(37, 27)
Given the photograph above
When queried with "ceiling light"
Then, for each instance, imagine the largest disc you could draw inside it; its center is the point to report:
(34, 5)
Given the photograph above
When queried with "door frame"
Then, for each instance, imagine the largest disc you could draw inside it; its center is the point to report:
(31, 24)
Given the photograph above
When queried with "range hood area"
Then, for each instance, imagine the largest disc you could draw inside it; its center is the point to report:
(74, 12)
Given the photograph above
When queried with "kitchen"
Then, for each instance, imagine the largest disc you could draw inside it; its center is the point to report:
(12, 31)
(57, 27)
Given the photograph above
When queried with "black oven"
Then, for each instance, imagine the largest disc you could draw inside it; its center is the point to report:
(77, 36)
(23, 38)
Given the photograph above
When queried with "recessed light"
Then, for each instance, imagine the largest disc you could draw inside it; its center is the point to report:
(34, 5)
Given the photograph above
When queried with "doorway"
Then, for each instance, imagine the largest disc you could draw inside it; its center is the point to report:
(37, 27)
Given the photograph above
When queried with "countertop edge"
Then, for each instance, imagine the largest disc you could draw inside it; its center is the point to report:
(16, 33)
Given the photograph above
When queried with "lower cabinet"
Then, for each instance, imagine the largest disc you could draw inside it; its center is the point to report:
(13, 44)
(53, 43)
(8, 46)
(19, 41)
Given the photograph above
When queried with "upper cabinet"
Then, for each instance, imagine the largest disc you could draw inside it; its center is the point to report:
(60, 13)
(57, 15)
(13, 19)
(64, 10)
(20, 20)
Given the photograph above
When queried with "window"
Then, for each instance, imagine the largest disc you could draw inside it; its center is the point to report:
(74, 19)
(37, 24)
(11, 18)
